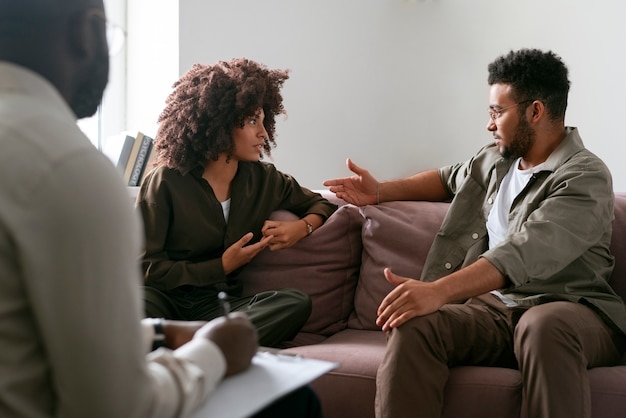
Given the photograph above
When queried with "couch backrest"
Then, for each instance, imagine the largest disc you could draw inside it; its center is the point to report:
(341, 264)
(325, 265)
(399, 234)
(618, 245)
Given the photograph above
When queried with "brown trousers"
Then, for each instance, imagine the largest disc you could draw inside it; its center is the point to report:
(552, 344)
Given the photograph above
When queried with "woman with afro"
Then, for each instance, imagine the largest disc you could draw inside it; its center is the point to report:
(206, 204)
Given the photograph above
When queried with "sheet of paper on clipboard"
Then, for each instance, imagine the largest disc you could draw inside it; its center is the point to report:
(270, 376)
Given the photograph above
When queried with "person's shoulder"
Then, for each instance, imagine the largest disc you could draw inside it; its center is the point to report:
(160, 180)
(258, 165)
(258, 168)
(161, 174)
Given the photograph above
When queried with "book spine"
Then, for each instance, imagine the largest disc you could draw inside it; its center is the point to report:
(125, 153)
(140, 161)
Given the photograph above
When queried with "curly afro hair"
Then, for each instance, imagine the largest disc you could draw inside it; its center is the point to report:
(534, 75)
(208, 103)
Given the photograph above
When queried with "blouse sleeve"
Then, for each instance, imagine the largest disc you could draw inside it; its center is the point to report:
(169, 219)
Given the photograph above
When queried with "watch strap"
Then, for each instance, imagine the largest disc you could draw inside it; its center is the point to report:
(309, 227)
(159, 334)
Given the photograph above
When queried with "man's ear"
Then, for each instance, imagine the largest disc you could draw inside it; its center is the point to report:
(538, 110)
(87, 32)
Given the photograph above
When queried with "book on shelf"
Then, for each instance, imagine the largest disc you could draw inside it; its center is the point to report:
(127, 146)
(130, 164)
(138, 158)
(141, 160)
(149, 163)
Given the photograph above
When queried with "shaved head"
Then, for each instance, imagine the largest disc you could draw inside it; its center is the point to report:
(62, 40)
(11, 9)
(17, 17)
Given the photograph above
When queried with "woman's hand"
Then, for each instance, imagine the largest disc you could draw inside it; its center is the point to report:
(284, 233)
(239, 253)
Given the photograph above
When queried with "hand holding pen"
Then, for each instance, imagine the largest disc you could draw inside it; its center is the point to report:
(223, 297)
(235, 336)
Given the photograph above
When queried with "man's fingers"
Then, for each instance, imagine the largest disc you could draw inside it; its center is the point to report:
(393, 278)
(355, 168)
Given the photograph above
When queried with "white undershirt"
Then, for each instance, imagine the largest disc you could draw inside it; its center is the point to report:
(513, 183)
(226, 209)
(498, 220)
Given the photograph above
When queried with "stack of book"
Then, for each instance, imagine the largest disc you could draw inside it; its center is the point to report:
(136, 158)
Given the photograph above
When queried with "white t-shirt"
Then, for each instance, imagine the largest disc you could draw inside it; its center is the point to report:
(226, 209)
(513, 183)
(498, 220)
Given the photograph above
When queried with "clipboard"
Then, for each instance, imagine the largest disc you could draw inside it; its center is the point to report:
(270, 376)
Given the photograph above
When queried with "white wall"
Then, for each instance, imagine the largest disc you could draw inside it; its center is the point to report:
(152, 57)
(400, 86)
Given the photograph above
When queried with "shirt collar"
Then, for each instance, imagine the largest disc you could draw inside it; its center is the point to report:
(15, 79)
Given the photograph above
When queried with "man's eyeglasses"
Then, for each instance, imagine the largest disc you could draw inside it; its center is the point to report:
(116, 36)
(496, 113)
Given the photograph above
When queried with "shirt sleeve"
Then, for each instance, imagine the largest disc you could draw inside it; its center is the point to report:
(571, 222)
(298, 199)
(82, 239)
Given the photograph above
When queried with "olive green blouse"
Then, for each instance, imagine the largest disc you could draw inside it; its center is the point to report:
(185, 230)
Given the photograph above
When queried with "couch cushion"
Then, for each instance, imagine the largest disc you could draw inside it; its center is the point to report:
(325, 265)
(397, 235)
(359, 353)
(618, 245)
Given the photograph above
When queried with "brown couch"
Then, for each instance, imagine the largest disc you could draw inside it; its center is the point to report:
(341, 265)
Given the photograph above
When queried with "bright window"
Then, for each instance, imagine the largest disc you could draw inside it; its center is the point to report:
(110, 119)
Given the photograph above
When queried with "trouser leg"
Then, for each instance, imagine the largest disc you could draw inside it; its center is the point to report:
(301, 403)
(157, 304)
(415, 369)
(278, 315)
(555, 344)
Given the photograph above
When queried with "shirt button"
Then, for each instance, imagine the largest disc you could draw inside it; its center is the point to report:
(448, 266)
(475, 235)
(490, 201)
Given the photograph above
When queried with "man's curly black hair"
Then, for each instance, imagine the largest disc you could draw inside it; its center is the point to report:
(534, 75)
(208, 103)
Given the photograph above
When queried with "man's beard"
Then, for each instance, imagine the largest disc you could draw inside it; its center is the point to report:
(523, 140)
(89, 93)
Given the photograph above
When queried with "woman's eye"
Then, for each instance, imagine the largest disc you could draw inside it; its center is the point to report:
(252, 121)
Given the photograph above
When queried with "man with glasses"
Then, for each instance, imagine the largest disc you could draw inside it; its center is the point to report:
(525, 246)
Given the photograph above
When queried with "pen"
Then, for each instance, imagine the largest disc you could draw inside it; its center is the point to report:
(223, 297)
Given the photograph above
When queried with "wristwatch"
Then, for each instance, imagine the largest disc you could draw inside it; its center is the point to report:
(159, 334)
(309, 227)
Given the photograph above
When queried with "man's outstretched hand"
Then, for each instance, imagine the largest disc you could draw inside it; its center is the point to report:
(361, 189)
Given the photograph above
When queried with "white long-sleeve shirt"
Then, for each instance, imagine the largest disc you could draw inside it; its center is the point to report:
(71, 339)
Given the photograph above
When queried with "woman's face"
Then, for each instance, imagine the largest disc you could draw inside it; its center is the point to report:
(249, 139)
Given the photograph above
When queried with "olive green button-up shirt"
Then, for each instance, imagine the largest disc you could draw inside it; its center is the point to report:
(559, 231)
(186, 233)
